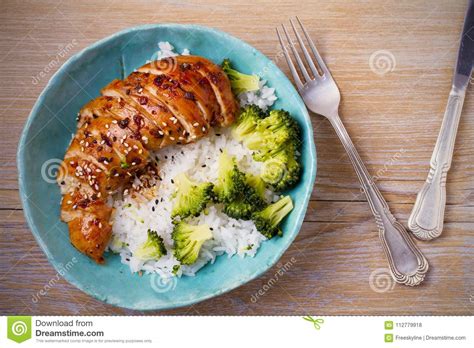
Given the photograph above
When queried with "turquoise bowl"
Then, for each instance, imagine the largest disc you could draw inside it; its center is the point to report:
(48, 131)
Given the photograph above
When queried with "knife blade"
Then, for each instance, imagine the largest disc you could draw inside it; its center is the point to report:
(463, 71)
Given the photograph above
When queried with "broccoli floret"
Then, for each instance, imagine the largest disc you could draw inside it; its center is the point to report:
(247, 122)
(240, 82)
(240, 209)
(282, 170)
(268, 220)
(272, 133)
(230, 180)
(188, 240)
(249, 200)
(275, 140)
(255, 194)
(190, 197)
(152, 249)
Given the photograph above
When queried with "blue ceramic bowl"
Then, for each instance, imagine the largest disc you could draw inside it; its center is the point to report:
(52, 122)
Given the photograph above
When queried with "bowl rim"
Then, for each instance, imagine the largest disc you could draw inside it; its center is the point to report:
(311, 167)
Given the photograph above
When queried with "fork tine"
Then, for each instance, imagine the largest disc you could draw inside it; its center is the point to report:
(309, 60)
(297, 56)
(320, 60)
(296, 77)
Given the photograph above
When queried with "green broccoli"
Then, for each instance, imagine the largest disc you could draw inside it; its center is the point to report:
(247, 122)
(249, 200)
(188, 240)
(282, 170)
(230, 180)
(255, 193)
(277, 130)
(275, 141)
(268, 220)
(240, 82)
(152, 249)
(239, 209)
(190, 197)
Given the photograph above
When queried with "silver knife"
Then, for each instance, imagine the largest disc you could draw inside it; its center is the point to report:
(426, 219)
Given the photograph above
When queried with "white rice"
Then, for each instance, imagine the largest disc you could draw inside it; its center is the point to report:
(199, 161)
(264, 97)
(133, 217)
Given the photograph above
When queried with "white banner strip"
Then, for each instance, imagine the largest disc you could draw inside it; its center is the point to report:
(229, 332)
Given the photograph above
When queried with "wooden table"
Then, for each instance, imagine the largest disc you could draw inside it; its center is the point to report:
(393, 114)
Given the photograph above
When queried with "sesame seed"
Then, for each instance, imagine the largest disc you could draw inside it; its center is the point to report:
(69, 202)
(196, 124)
(114, 122)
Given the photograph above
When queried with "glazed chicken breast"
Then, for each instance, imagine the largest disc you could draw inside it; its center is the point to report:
(172, 101)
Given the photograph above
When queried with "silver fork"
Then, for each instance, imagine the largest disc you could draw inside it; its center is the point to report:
(321, 95)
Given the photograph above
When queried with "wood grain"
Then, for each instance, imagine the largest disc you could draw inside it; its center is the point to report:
(393, 118)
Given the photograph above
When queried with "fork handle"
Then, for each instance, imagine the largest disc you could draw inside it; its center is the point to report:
(406, 262)
(426, 218)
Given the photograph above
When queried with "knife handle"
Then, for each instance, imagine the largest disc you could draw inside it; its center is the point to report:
(426, 219)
